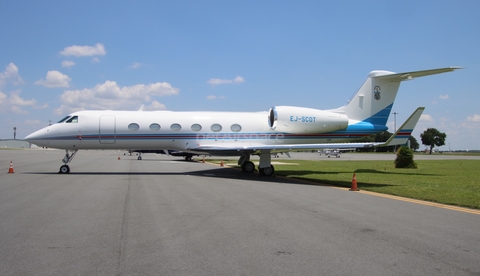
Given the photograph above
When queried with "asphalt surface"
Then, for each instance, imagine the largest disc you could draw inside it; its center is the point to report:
(165, 216)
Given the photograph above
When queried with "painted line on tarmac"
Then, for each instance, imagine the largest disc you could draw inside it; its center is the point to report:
(427, 203)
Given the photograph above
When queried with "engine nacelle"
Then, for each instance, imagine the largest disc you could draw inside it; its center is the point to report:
(292, 119)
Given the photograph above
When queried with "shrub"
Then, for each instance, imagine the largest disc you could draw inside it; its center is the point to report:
(405, 158)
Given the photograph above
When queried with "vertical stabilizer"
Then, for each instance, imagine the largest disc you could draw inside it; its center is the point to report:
(373, 102)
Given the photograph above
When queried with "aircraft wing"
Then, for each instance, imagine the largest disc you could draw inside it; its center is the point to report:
(400, 137)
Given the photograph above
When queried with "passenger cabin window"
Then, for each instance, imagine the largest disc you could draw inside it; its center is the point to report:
(175, 127)
(235, 128)
(216, 127)
(133, 126)
(155, 127)
(63, 120)
(74, 119)
(196, 127)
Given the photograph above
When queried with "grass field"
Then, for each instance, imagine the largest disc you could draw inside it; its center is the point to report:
(454, 182)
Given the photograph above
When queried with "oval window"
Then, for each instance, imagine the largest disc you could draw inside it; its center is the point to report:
(155, 127)
(196, 127)
(133, 126)
(216, 127)
(175, 127)
(235, 128)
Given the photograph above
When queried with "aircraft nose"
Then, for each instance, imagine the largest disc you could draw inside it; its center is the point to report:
(37, 137)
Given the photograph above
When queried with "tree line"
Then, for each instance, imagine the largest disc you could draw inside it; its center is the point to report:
(430, 137)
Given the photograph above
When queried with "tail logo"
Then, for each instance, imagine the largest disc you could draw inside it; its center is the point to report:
(376, 92)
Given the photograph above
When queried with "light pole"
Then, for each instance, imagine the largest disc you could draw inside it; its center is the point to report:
(14, 133)
(394, 121)
(395, 125)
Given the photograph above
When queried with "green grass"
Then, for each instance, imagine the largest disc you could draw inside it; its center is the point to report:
(453, 182)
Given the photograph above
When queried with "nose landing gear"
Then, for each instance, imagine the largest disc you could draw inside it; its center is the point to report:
(68, 157)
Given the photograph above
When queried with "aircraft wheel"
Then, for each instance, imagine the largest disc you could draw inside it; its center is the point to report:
(64, 169)
(248, 167)
(267, 171)
(188, 158)
(139, 158)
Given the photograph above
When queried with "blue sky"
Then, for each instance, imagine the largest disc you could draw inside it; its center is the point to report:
(60, 56)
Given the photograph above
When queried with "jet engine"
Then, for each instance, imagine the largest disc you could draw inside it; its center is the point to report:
(292, 119)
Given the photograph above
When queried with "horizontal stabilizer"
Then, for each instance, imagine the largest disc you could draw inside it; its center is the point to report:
(417, 74)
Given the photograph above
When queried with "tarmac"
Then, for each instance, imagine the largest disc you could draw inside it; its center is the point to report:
(116, 215)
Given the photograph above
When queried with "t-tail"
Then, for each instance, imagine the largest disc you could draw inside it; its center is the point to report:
(374, 100)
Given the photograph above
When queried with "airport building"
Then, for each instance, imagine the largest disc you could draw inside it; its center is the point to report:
(15, 144)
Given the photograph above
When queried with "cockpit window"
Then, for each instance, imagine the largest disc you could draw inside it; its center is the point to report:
(74, 119)
(63, 120)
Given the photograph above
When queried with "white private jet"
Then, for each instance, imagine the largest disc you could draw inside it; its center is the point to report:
(281, 129)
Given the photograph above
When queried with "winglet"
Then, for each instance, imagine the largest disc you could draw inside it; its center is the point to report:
(403, 133)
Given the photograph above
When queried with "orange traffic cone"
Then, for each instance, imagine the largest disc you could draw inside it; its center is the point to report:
(221, 163)
(10, 170)
(354, 183)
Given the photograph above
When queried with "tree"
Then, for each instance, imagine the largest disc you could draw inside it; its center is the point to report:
(383, 136)
(432, 137)
(413, 143)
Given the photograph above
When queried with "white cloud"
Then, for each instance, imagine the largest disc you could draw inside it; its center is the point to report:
(109, 95)
(444, 97)
(13, 103)
(3, 97)
(15, 99)
(32, 122)
(95, 60)
(426, 118)
(213, 97)
(10, 75)
(55, 79)
(68, 63)
(475, 118)
(155, 105)
(82, 51)
(136, 65)
(237, 80)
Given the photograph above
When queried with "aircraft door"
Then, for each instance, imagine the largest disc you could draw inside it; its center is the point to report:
(107, 129)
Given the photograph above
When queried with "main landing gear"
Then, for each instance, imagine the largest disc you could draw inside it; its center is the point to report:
(68, 157)
(267, 171)
(265, 167)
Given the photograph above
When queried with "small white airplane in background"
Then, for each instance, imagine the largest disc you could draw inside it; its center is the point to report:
(281, 129)
(329, 153)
